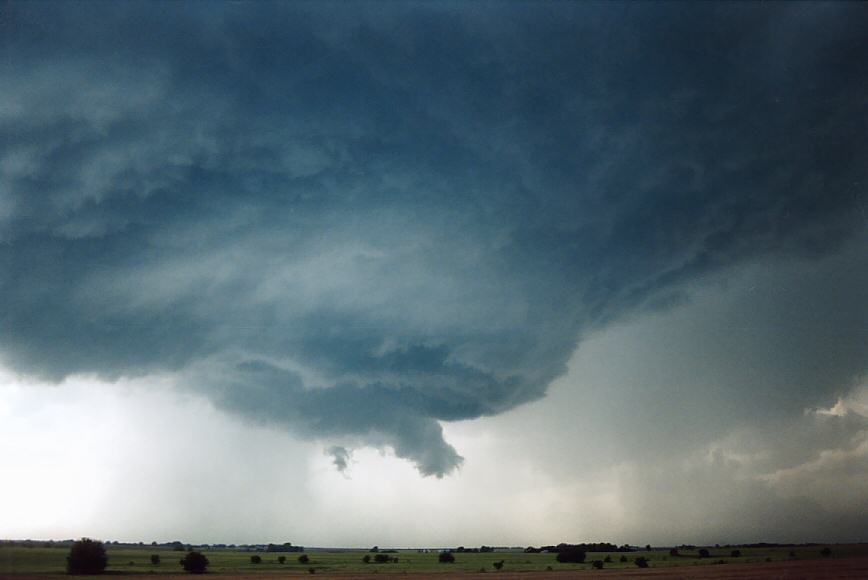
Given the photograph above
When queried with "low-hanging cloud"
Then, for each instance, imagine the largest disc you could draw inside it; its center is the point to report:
(361, 226)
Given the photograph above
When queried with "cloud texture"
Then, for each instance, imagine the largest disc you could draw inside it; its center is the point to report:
(360, 226)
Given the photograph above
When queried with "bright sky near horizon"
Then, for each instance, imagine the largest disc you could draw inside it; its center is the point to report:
(434, 274)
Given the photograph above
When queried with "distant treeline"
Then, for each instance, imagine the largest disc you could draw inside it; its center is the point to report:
(598, 547)
(176, 545)
(286, 547)
(479, 550)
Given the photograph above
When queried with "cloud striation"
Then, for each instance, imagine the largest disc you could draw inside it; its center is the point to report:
(359, 226)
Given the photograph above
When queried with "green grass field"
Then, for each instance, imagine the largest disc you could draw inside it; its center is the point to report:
(38, 561)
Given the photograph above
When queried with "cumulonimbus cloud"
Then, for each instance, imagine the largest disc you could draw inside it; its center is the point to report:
(361, 226)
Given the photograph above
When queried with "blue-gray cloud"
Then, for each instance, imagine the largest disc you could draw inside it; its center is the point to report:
(361, 225)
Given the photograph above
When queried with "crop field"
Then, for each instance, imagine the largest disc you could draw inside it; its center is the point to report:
(41, 561)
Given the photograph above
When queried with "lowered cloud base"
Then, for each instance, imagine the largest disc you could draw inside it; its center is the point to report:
(359, 228)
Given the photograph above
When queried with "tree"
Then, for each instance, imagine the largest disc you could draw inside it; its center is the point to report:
(86, 556)
(303, 559)
(281, 559)
(155, 559)
(366, 558)
(255, 559)
(572, 555)
(598, 564)
(641, 561)
(194, 563)
(446, 558)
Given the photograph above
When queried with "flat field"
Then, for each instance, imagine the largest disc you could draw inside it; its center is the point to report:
(846, 561)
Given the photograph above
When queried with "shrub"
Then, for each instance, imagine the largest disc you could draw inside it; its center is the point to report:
(281, 559)
(623, 559)
(311, 570)
(194, 563)
(255, 559)
(607, 559)
(86, 556)
(366, 559)
(703, 553)
(572, 555)
(155, 559)
(446, 558)
(303, 559)
(382, 558)
(641, 561)
(735, 554)
(498, 565)
(826, 552)
(674, 553)
(598, 564)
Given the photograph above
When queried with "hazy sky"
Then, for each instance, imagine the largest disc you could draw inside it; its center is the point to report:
(434, 274)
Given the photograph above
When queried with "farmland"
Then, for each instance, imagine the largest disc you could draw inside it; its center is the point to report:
(38, 561)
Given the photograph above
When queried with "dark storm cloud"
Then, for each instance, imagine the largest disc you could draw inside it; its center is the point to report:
(361, 225)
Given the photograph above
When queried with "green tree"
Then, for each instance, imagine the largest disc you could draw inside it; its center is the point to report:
(194, 563)
(86, 556)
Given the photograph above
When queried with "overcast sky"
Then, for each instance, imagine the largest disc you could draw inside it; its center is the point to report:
(434, 274)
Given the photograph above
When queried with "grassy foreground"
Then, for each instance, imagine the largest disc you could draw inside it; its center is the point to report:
(38, 561)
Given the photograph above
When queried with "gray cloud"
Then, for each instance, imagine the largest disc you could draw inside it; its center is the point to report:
(340, 457)
(361, 226)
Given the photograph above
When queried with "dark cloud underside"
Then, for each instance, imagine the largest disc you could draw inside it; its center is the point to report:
(362, 224)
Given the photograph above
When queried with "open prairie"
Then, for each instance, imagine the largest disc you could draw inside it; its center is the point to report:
(846, 561)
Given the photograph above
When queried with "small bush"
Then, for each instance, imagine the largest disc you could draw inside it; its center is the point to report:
(446, 558)
(155, 559)
(735, 554)
(194, 563)
(571, 555)
(311, 570)
(382, 558)
(281, 559)
(549, 569)
(622, 559)
(674, 553)
(366, 559)
(497, 565)
(255, 559)
(607, 559)
(826, 552)
(598, 564)
(703, 553)
(86, 556)
(303, 559)
(641, 561)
